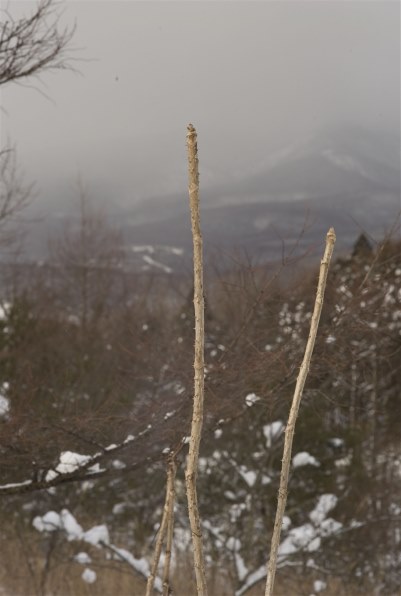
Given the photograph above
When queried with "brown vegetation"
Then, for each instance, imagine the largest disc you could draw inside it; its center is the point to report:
(98, 360)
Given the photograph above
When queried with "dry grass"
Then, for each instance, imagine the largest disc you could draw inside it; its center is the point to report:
(22, 573)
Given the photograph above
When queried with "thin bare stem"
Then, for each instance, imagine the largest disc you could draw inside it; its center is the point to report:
(166, 527)
(172, 469)
(290, 429)
(119, 553)
(158, 550)
(197, 414)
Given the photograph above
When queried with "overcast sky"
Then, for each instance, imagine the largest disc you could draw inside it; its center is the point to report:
(251, 76)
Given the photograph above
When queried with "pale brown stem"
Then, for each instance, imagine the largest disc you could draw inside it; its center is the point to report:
(158, 550)
(166, 525)
(172, 469)
(197, 413)
(290, 429)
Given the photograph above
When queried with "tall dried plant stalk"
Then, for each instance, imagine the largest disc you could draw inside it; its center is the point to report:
(159, 545)
(290, 429)
(197, 413)
(171, 473)
(166, 528)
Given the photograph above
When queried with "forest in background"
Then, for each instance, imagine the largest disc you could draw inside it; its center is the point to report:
(97, 365)
(96, 389)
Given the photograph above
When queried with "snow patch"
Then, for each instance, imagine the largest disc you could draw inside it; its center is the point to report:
(145, 248)
(70, 525)
(89, 576)
(319, 586)
(286, 523)
(68, 463)
(242, 570)
(272, 432)
(252, 579)
(326, 503)
(251, 399)
(118, 464)
(330, 526)
(96, 535)
(304, 459)
(119, 508)
(4, 405)
(52, 521)
(5, 308)
(83, 558)
(111, 447)
(15, 484)
(156, 264)
(343, 462)
(336, 442)
(300, 538)
(248, 475)
(48, 522)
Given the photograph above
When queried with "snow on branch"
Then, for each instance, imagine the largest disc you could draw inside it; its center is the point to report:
(74, 467)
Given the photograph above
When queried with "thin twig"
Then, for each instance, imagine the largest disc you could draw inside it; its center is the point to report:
(158, 549)
(166, 527)
(121, 557)
(172, 470)
(290, 429)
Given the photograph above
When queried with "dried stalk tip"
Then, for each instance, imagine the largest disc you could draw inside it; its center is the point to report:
(331, 235)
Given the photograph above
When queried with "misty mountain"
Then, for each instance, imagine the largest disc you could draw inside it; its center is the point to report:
(349, 178)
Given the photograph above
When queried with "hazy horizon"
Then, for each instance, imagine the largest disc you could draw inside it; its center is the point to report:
(253, 78)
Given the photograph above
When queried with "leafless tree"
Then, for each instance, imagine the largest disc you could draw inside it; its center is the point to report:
(89, 258)
(14, 194)
(31, 44)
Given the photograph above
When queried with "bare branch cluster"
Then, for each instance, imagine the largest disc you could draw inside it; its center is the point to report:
(32, 44)
(14, 194)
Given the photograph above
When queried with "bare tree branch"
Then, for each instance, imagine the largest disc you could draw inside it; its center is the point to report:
(30, 45)
(14, 194)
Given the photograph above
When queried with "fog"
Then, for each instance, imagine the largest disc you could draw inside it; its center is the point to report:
(253, 77)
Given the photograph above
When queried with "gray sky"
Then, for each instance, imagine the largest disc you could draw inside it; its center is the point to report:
(252, 77)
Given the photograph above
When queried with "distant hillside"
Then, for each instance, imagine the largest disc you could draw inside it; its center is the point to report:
(348, 178)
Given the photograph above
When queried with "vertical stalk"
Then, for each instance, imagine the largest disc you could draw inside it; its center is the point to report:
(290, 429)
(159, 544)
(171, 473)
(197, 413)
(166, 527)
